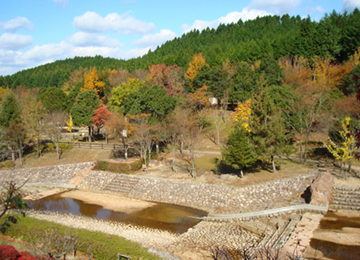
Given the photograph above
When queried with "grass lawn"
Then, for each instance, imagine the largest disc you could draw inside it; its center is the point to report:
(101, 245)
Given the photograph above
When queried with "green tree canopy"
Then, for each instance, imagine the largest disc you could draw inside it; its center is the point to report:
(121, 92)
(239, 151)
(82, 111)
(267, 127)
(53, 99)
(150, 100)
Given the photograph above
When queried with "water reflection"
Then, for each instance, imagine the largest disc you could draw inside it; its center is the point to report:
(162, 216)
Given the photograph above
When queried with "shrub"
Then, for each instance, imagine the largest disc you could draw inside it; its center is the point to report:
(62, 146)
(119, 167)
(8, 164)
(121, 153)
(8, 252)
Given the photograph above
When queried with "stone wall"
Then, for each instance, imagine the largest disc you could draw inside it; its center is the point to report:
(210, 197)
(47, 174)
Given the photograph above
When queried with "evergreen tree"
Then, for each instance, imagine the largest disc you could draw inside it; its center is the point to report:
(53, 99)
(239, 152)
(82, 111)
(267, 127)
(12, 130)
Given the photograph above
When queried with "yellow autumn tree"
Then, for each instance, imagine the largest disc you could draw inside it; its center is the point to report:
(92, 82)
(2, 93)
(195, 65)
(242, 114)
(344, 151)
(70, 124)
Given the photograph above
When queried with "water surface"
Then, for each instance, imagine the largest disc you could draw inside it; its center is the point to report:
(173, 218)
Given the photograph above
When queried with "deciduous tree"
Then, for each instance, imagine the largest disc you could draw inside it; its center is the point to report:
(344, 151)
(195, 65)
(171, 78)
(101, 115)
(121, 92)
(92, 82)
(118, 127)
(55, 121)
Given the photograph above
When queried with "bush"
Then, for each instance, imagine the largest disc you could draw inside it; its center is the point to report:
(8, 164)
(121, 153)
(62, 146)
(119, 167)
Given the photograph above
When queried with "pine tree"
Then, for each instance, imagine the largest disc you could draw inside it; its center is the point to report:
(267, 127)
(239, 152)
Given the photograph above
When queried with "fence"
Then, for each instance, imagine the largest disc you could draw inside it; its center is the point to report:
(88, 145)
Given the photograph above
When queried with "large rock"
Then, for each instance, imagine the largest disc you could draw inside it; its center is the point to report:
(321, 189)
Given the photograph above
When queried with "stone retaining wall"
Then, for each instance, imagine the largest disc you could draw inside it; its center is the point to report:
(47, 174)
(210, 197)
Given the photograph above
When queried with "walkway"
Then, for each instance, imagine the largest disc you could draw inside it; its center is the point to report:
(255, 214)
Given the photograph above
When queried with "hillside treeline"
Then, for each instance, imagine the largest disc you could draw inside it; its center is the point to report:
(336, 37)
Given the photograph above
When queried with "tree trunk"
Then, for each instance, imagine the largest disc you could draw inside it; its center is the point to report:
(181, 145)
(341, 165)
(157, 148)
(38, 148)
(145, 160)
(241, 173)
(192, 160)
(273, 163)
(89, 134)
(351, 153)
(301, 135)
(57, 151)
(173, 160)
(126, 152)
(125, 147)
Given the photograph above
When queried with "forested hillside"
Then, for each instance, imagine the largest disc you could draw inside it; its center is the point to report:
(336, 37)
(273, 82)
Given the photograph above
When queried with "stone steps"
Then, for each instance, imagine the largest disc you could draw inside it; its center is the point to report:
(123, 184)
(343, 198)
(286, 233)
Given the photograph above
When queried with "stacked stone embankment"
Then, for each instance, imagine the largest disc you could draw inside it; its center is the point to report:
(209, 197)
(56, 174)
(345, 198)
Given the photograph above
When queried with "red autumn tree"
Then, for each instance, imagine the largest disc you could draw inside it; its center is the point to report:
(169, 77)
(101, 115)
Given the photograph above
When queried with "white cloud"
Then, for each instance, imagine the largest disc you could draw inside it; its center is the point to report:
(125, 23)
(318, 9)
(233, 17)
(15, 24)
(350, 5)
(276, 6)
(47, 51)
(14, 41)
(83, 39)
(62, 3)
(153, 40)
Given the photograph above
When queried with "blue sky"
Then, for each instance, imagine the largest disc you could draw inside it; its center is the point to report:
(35, 32)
